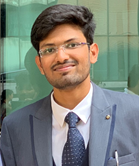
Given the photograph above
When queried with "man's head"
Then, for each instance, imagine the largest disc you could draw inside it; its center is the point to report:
(7, 94)
(63, 37)
(62, 14)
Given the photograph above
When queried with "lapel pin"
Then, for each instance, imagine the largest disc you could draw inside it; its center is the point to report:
(108, 117)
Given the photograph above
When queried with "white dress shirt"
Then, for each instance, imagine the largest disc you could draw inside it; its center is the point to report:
(60, 127)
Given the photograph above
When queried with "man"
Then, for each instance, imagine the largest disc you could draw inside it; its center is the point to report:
(133, 81)
(42, 134)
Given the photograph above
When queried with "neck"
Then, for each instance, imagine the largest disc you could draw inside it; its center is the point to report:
(72, 97)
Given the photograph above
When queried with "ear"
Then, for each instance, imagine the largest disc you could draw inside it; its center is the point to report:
(39, 64)
(94, 50)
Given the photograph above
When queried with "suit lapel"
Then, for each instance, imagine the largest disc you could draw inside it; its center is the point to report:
(41, 123)
(101, 128)
(100, 131)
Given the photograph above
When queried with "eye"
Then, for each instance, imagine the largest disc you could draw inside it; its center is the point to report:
(72, 45)
(49, 51)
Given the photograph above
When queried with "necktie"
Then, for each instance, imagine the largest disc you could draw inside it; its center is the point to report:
(74, 148)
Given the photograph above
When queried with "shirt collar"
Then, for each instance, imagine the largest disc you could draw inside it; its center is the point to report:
(83, 109)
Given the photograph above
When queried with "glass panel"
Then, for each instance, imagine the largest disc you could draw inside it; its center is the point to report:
(101, 66)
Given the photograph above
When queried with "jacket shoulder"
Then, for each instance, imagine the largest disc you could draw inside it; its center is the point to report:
(24, 112)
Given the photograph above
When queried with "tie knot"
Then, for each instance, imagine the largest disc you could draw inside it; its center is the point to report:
(72, 119)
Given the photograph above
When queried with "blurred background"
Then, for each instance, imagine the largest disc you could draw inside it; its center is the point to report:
(117, 35)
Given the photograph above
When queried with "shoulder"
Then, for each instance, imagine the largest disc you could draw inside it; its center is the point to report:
(120, 99)
(22, 114)
(127, 105)
(113, 95)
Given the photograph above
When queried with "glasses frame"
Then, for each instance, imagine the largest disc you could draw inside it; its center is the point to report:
(64, 47)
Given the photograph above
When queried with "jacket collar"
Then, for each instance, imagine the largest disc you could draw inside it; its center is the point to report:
(101, 127)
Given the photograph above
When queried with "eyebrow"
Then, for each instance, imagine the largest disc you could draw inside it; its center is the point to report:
(52, 44)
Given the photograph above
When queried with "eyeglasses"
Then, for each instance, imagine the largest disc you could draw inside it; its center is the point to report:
(67, 48)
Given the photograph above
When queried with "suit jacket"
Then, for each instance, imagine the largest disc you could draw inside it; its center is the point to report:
(27, 133)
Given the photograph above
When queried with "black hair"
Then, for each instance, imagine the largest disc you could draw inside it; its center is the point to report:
(5, 93)
(62, 14)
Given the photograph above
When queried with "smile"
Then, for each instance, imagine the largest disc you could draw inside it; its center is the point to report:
(63, 68)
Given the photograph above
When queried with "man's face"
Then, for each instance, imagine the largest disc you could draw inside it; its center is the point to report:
(66, 70)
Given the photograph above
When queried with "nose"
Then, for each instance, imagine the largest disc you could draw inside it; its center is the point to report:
(61, 56)
(60, 47)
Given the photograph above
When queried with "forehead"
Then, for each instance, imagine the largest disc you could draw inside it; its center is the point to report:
(62, 33)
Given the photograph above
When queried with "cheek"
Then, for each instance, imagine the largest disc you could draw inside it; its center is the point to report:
(82, 56)
(46, 66)
(85, 58)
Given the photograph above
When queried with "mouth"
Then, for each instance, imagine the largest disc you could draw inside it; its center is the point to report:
(64, 67)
